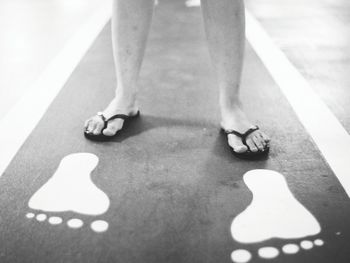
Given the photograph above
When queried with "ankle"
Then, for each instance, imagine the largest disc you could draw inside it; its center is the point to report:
(125, 100)
(233, 117)
(121, 106)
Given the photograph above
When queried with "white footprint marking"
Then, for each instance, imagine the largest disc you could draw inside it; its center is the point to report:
(193, 3)
(268, 252)
(241, 256)
(273, 213)
(319, 242)
(30, 215)
(55, 220)
(99, 226)
(75, 223)
(306, 244)
(41, 217)
(71, 189)
(290, 249)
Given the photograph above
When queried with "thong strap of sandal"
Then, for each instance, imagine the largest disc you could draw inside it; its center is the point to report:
(100, 114)
(244, 137)
(117, 116)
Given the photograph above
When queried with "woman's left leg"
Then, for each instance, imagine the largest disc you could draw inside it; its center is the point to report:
(225, 28)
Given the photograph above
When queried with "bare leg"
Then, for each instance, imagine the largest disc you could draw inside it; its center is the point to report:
(224, 24)
(131, 21)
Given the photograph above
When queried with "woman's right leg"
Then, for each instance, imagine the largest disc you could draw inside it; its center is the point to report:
(131, 21)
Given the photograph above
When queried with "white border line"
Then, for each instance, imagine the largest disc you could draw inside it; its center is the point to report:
(325, 129)
(20, 121)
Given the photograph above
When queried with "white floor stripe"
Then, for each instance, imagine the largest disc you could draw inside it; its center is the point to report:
(325, 129)
(16, 126)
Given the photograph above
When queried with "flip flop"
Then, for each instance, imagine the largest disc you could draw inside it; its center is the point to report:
(101, 136)
(248, 154)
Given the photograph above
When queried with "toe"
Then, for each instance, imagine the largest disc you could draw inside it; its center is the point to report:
(265, 138)
(251, 144)
(262, 141)
(86, 123)
(91, 126)
(113, 127)
(258, 142)
(94, 125)
(98, 128)
(236, 143)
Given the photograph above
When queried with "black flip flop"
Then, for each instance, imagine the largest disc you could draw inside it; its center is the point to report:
(101, 136)
(248, 154)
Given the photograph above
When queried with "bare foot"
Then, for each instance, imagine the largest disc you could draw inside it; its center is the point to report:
(95, 124)
(236, 119)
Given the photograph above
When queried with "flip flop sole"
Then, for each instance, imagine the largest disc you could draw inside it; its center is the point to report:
(252, 155)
